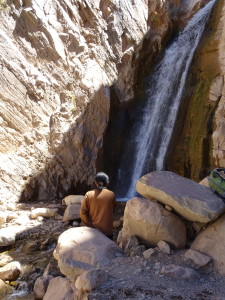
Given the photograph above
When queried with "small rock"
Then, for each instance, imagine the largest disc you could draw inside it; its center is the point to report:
(59, 288)
(41, 285)
(12, 216)
(148, 253)
(178, 272)
(5, 259)
(11, 271)
(75, 224)
(43, 212)
(72, 212)
(91, 279)
(3, 218)
(131, 244)
(8, 236)
(58, 217)
(198, 258)
(168, 207)
(72, 199)
(164, 247)
(116, 224)
(137, 251)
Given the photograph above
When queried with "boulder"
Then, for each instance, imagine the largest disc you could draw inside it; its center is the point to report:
(90, 280)
(72, 199)
(43, 212)
(193, 201)
(11, 271)
(82, 248)
(211, 242)
(198, 258)
(72, 212)
(59, 288)
(151, 223)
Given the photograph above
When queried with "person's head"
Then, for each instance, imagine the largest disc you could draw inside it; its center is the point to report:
(101, 180)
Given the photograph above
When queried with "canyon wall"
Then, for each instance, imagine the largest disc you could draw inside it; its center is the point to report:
(59, 60)
(199, 141)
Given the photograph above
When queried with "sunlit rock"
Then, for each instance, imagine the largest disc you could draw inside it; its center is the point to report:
(191, 200)
(83, 248)
(41, 285)
(3, 218)
(198, 258)
(59, 288)
(151, 223)
(72, 199)
(205, 182)
(11, 271)
(8, 236)
(5, 259)
(211, 242)
(164, 247)
(90, 280)
(43, 212)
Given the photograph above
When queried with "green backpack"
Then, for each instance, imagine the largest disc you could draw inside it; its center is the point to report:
(216, 180)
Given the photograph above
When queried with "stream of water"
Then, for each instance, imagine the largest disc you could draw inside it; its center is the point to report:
(151, 136)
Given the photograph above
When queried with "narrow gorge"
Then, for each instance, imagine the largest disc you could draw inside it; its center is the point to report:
(134, 88)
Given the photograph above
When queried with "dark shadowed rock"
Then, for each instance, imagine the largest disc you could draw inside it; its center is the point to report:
(191, 200)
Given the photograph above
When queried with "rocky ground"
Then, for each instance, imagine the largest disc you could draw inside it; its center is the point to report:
(140, 278)
(130, 277)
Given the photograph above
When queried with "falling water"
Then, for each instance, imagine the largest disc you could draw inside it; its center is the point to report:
(150, 139)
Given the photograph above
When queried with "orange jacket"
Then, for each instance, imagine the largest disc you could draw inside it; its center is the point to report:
(97, 210)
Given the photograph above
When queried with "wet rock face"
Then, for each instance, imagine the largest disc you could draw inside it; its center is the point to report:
(58, 60)
(199, 143)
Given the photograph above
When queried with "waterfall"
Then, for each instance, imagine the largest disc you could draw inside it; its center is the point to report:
(151, 135)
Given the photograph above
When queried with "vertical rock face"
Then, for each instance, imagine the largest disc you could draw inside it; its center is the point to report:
(200, 142)
(58, 60)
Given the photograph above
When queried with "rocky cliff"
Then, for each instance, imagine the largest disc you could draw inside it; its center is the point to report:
(59, 60)
(199, 142)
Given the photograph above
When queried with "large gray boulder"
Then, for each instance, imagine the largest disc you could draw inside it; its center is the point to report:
(191, 200)
(82, 248)
(151, 223)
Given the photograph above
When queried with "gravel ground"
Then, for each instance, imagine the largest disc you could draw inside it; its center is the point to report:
(140, 278)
